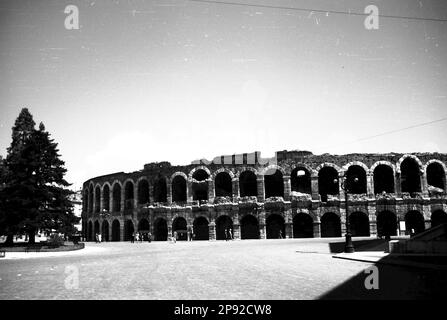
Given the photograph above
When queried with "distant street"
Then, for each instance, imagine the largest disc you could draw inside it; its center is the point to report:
(249, 269)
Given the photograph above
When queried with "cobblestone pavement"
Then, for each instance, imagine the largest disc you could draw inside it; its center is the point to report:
(248, 269)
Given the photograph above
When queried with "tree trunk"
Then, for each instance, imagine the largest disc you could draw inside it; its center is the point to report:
(9, 239)
(32, 236)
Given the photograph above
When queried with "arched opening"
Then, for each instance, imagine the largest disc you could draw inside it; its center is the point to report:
(128, 230)
(327, 182)
(201, 230)
(356, 179)
(116, 230)
(223, 185)
(116, 195)
(223, 223)
(386, 224)
(90, 198)
(143, 192)
(410, 176)
(97, 199)
(90, 231)
(330, 225)
(248, 186)
(160, 230)
(275, 226)
(438, 217)
(128, 195)
(179, 225)
(273, 183)
(383, 179)
(249, 227)
(303, 226)
(96, 229)
(160, 190)
(200, 185)
(106, 198)
(300, 180)
(143, 225)
(359, 224)
(85, 200)
(414, 220)
(436, 175)
(105, 231)
(179, 189)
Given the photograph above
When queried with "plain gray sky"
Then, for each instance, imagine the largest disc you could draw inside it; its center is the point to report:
(176, 80)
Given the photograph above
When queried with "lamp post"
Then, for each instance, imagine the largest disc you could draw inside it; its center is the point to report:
(345, 185)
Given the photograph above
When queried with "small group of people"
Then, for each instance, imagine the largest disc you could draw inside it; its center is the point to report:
(141, 236)
(228, 234)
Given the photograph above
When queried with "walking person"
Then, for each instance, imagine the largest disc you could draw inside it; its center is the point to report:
(132, 238)
(99, 237)
(174, 238)
(230, 231)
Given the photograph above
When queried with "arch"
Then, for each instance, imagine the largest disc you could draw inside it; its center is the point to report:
(301, 183)
(178, 185)
(410, 174)
(200, 184)
(386, 224)
(160, 230)
(178, 174)
(405, 157)
(330, 225)
(97, 199)
(193, 171)
(116, 197)
(435, 171)
(383, 176)
(356, 179)
(249, 227)
(275, 226)
(248, 186)
(105, 231)
(414, 220)
(106, 197)
(129, 230)
(128, 194)
(330, 165)
(303, 226)
(90, 198)
(273, 183)
(90, 231)
(272, 168)
(116, 230)
(223, 184)
(359, 224)
(201, 230)
(160, 189)
(143, 191)
(96, 228)
(327, 182)
(220, 170)
(223, 223)
(438, 217)
(179, 225)
(356, 163)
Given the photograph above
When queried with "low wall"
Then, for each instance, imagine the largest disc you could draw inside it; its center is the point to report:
(418, 247)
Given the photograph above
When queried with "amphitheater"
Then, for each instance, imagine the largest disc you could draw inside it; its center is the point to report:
(295, 194)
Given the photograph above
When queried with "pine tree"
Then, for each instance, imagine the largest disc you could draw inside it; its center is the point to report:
(35, 195)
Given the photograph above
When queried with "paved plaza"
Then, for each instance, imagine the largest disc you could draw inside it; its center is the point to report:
(248, 269)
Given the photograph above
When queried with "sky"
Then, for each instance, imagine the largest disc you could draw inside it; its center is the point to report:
(179, 80)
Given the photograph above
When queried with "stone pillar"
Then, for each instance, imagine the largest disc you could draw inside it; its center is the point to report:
(287, 187)
(237, 231)
(188, 191)
(260, 186)
(135, 195)
(211, 191)
(314, 187)
(101, 201)
(373, 228)
(427, 224)
(262, 231)
(169, 192)
(169, 223)
(235, 185)
(121, 229)
(397, 186)
(341, 192)
(424, 185)
(317, 229)
(370, 185)
(110, 200)
(151, 193)
(212, 230)
(289, 230)
(123, 201)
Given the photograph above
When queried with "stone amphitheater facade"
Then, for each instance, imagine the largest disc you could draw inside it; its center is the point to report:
(295, 194)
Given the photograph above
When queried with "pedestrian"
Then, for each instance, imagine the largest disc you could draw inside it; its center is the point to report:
(175, 236)
(231, 233)
(132, 238)
(96, 238)
(226, 234)
(149, 237)
(280, 234)
(99, 237)
(141, 237)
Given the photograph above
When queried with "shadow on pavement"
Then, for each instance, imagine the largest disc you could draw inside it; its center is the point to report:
(360, 245)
